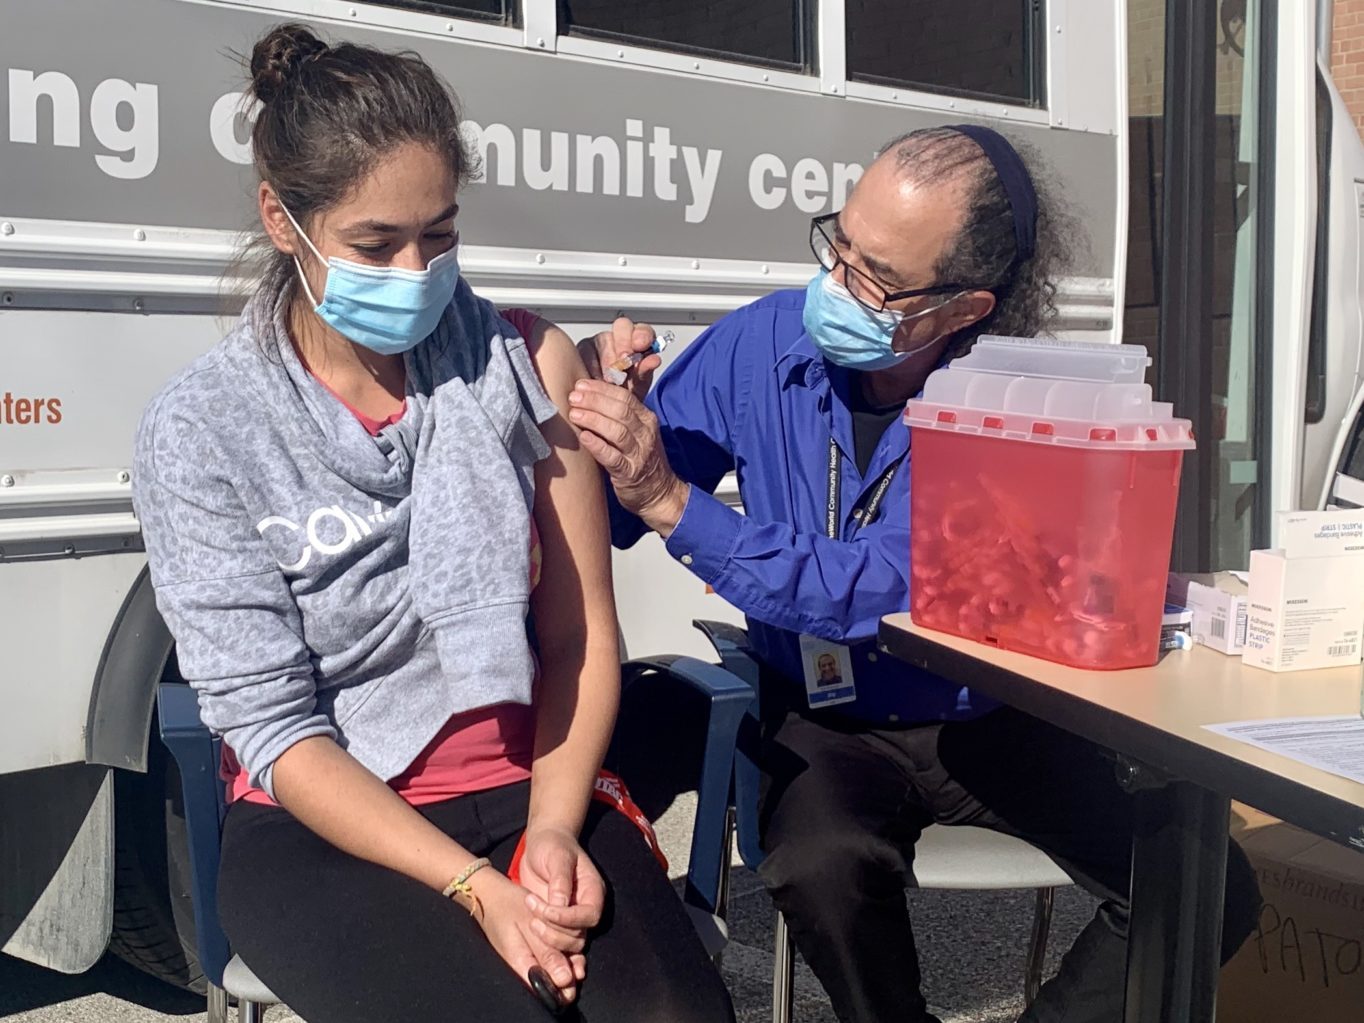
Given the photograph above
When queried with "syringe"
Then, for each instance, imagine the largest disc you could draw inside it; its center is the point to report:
(615, 373)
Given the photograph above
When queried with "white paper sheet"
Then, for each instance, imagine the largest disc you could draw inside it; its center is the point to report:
(1334, 744)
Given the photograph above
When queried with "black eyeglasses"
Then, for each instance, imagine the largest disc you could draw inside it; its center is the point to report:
(863, 287)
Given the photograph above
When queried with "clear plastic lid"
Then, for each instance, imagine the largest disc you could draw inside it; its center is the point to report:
(1054, 392)
(1057, 360)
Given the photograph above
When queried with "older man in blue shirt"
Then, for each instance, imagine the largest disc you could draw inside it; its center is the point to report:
(800, 394)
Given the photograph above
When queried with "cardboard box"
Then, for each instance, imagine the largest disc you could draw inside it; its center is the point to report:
(1305, 613)
(1305, 961)
(1319, 534)
(1307, 596)
(1219, 604)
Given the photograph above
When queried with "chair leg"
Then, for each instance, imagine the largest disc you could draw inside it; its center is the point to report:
(250, 1012)
(722, 893)
(783, 972)
(217, 1004)
(1037, 948)
(722, 896)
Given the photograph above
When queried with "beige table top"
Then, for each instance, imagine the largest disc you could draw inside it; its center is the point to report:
(1155, 715)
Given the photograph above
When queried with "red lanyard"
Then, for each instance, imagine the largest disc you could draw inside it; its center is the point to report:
(609, 789)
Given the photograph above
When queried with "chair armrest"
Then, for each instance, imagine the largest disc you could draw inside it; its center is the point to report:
(731, 642)
(722, 634)
(713, 681)
(730, 698)
(177, 708)
(194, 749)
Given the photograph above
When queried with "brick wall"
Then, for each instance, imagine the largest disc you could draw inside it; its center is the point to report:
(1146, 61)
(1145, 57)
(1347, 55)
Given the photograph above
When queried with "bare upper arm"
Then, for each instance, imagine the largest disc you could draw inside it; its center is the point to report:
(556, 360)
(570, 503)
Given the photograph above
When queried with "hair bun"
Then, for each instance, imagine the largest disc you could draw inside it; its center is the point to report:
(278, 56)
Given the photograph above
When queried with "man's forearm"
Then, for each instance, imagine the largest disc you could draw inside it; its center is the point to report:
(800, 582)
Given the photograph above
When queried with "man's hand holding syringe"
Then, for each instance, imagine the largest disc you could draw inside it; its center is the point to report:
(626, 355)
(619, 431)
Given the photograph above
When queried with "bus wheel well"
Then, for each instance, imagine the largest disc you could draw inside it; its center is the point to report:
(135, 657)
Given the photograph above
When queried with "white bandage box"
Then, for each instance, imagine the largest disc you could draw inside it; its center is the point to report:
(1322, 534)
(1307, 596)
(1218, 604)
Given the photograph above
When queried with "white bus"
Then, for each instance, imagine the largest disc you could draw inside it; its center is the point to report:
(647, 156)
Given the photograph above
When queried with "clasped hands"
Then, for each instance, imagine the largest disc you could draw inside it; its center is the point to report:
(545, 919)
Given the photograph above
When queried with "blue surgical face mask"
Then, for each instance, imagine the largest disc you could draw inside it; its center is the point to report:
(387, 309)
(851, 335)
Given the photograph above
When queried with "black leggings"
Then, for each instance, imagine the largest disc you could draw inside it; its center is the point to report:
(341, 940)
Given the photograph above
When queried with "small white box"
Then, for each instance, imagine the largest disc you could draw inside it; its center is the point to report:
(1322, 534)
(1219, 605)
(1305, 613)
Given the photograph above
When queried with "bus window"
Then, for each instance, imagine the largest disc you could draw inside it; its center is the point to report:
(1348, 489)
(987, 48)
(484, 10)
(768, 32)
(1315, 409)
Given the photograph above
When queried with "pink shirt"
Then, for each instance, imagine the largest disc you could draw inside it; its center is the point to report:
(474, 751)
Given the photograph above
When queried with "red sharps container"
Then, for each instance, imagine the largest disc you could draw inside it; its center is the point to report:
(1043, 501)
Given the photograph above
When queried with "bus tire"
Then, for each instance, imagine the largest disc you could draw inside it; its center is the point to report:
(153, 911)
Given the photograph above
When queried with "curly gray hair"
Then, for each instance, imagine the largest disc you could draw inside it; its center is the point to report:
(984, 250)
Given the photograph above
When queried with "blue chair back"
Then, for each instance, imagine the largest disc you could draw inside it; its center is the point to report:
(198, 755)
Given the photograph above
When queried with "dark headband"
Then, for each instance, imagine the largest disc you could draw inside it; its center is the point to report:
(1017, 182)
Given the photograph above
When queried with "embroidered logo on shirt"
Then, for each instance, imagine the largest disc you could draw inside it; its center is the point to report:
(321, 531)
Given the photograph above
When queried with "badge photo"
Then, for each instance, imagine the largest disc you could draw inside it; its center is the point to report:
(828, 672)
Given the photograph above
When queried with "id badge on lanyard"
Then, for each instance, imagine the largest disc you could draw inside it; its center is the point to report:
(827, 666)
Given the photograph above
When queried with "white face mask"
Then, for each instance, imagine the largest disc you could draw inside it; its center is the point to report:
(386, 309)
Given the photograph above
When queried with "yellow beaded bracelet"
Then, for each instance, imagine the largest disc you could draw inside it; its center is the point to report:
(460, 886)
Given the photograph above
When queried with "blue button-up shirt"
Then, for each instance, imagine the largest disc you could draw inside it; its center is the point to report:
(753, 395)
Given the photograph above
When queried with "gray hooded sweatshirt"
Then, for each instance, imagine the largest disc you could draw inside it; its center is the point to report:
(320, 581)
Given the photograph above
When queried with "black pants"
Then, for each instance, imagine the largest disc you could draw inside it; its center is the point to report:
(843, 806)
(345, 941)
